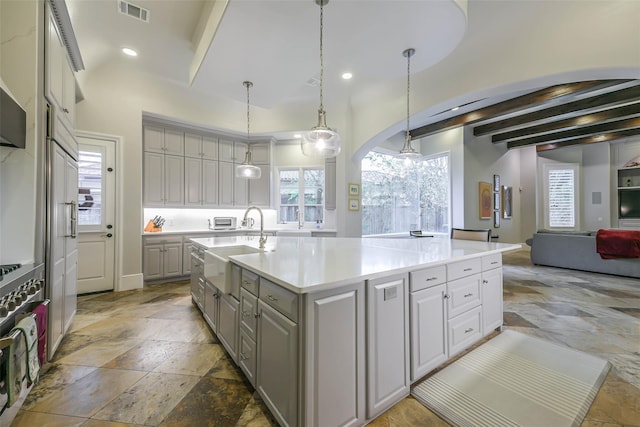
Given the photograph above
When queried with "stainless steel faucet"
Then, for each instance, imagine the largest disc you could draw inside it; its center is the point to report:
(263, 238)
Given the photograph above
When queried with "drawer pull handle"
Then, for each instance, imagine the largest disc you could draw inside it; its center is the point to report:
(431, 278)
(271, 298)
(466, 331)
(246, 282)
(494, 262)
(485, 281)
(445, 296)
(256, 315)
(243, 356)
(468, 295)
(468, 269)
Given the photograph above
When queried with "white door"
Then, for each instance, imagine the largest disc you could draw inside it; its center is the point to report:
(96, 215)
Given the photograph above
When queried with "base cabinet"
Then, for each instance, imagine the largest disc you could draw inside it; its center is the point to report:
(277, 365)
(492, 314)
(428, 330)
(229, 315)
(387, 343)
(247, 356)
(211, 296)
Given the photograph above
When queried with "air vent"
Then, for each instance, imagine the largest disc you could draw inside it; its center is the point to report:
(133, 11)
(314, 81)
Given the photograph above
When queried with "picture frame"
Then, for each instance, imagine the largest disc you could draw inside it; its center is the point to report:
(496, 183)
(496, 219)
(484, 200)
(496, 201)
(354, 189)
(354, 204)
(507, 202)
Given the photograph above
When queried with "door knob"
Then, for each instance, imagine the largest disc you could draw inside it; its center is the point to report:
(109, 226)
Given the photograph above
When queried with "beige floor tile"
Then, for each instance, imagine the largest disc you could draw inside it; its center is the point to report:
(191, 359)
(149, 400)
(146, 356)
(100, 423)
(55, 378)
(88, 395)
(98, 353)
(33, 419)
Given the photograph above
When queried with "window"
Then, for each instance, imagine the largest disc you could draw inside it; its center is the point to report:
(561, 195)
(90, 165)
(311, 187)
(397, 199)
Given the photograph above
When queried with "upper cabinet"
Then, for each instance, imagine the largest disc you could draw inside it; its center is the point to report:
(60, 87)
(189, 168)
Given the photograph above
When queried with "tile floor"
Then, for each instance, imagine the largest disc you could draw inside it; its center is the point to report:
(146, 357)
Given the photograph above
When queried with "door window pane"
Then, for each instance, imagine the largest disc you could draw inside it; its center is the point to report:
(90, 188)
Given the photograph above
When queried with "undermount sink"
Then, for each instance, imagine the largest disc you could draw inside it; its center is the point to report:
(217, 268)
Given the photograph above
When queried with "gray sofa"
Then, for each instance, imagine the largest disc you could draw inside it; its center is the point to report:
(577, 250)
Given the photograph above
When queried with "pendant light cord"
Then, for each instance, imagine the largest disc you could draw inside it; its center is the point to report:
(247, 84)
(321, 58)
(408, 135)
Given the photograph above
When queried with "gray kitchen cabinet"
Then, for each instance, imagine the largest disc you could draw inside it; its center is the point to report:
(260, 189)
(261, 153)
(248, 313)
(200, 182)
(330, 183)
(247, 356)
(158, 139)
(228, 324)
(200, 147)
(162, 259)
(335, 321)
(225, 150)
(239, 152)
(387, 342)
(277, 364)
(197, 276)
(491, 291)
(428, 330)
(163, 179)
(232, 191)
(187, 248)
(210, 312)
(209, 183)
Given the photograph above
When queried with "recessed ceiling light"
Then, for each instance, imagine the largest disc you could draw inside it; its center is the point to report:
(347, 76)
(129, 52)
(297, 135)
(455, 108)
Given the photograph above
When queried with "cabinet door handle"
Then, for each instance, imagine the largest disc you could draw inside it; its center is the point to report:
(256, 315)
(466, 331)
(485, 281)
(468, 295)
(431, 278)
(271, 298)
(468, 269)
(445, 296)
(243, 356)
(494, 262)
(66, 110)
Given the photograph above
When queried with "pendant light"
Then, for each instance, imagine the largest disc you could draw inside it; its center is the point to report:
(408, 152)
(247, 169)
(321, 141)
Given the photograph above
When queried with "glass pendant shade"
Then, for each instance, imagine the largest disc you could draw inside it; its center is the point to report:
(247, 169)
(321, 141)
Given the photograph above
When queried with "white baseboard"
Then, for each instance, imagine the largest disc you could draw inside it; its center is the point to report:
(129, 282)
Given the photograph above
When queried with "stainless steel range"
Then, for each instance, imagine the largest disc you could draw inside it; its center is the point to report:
(21, 295)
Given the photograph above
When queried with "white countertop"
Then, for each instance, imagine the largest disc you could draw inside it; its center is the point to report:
(235, 231)
(310, 264)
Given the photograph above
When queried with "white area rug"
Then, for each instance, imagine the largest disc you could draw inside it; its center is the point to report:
(515, 380)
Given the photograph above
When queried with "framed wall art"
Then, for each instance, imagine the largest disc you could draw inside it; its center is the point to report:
(354, 189)
(496, 201)
(496, 219)
(485, 200)
(354, 204)
(507, 202)
(496, 183)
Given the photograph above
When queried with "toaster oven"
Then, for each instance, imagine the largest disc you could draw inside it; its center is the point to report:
(224, 223)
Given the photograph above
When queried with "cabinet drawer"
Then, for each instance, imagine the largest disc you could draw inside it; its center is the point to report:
(250, 281)
(426, 278)
(160, 240)
(492, 261)
(283, 300)
(463, 294)
(459, 269)
(464, 330)
(248, 313)
(247, 357)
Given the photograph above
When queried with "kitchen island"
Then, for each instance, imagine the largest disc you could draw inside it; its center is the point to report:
(333, 331)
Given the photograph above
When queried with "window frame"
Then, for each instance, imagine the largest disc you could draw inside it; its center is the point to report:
(575, 168)
(301, 188)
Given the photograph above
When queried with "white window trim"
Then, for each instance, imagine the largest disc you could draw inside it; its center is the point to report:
(300, 170)
(546, 168)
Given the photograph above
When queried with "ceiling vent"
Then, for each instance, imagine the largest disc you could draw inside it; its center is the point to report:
(133, 11)
(314, 81)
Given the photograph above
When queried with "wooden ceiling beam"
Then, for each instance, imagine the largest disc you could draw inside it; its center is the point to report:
(572, 122)
(589, 139)
(629, 94)
(584, 131)
(515, 104)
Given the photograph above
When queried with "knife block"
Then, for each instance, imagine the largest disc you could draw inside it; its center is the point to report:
(151, 227)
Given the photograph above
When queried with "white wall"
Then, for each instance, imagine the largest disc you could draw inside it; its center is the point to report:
(19, 32)
(596, 187)
(482, 160)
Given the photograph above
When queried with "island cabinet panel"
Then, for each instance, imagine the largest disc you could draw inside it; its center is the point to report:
(247, 356)
(387, 343)
(211, 295)
(334, 357)
(277, 365)
(428, 330)
(491, 291)
(228, 312)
